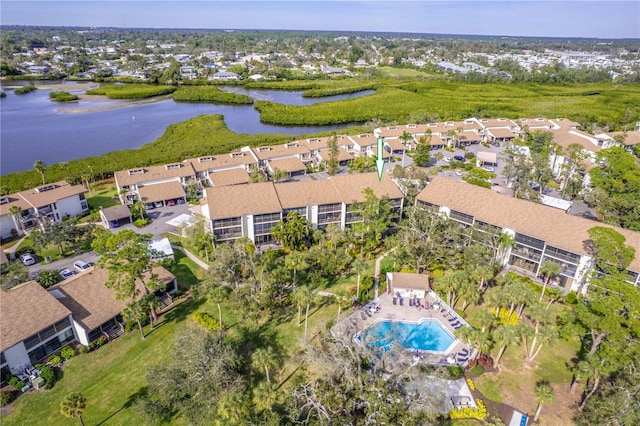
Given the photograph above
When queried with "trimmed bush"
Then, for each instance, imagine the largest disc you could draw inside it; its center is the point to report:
(48, 374)
(207, 321)
(477, 370)
(6, 397)
(455, 372)
(571, 298)
(140, 223)
(67, 352)
(54, 360)
(479, 413)
(472, 385)
(15, 383)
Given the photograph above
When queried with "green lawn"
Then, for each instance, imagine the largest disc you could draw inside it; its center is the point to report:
(112, 376)
(403, 72)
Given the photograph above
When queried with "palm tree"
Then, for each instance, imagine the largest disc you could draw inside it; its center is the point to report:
(217, 294)
(503, 336)
(73, 405)
(135, 311)
(358, 266)
(295, 261)
(505, 242)
(549, 270)
(300, 296)
(40, 167)
(342, 299)
(15, 211)
(139, 208)
(482, 274)
(544, 393)
(263, 358)
(151, 302)
(405, 137)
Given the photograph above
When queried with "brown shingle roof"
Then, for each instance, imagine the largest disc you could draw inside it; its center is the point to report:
(153, 173)
(161, 191)
(26, 309)
(567, 136)
(350, 187)
(289, 165)
(409, 281)
(557, 228)
(91, 302)
(237, 200)
(13, 200)
(288, 149)
(39, 197)
(222, 161)
(501, 133)
(301, 194)
(489, 123)
(114, 213)
(633, 138)
(229, 177)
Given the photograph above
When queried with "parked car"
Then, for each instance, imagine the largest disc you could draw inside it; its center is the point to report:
(459, 158)
(495, 144)
(446, 159)
(488, 169)
(158, 204)
(149, 206)
(171, 203)
(458, 172)
(81, 265)
(28, 259)
(66, 273)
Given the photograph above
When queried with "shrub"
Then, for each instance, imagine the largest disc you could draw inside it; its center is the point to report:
(15, 383)
(209, 94)
(472, 385)
(207, 321)
(6, 397)
(24, 89)
(62, 97)
(54, 360)
(571, 298)
(477, 370)
(140, 223)
(49, 277)
(83, 349)
(469, 155)
(455, 372)
(67, 352)
(48, 374)
(511, 320)
(479, 413)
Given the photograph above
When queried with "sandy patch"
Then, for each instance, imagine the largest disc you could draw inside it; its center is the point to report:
(101, 98)
(69, 87)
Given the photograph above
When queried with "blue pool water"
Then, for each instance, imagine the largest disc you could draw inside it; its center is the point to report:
(427, 335)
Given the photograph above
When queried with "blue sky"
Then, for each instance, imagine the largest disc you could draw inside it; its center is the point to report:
(574, 18)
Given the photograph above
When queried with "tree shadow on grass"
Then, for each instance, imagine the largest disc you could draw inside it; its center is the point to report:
(128, 404)
(178, 312)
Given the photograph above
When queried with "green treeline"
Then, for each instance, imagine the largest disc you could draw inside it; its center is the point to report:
(131, 91)
(605, 104)
(202, 135)
(209, 94)
(316, 88)
(23, 90)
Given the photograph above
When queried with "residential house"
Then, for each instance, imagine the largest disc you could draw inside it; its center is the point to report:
(252, 210)
(541, 233)
(47, 203)
(34, 325)
(206, 166)
(291, 157)
(155, 184)
(225, 76)
(37, 322)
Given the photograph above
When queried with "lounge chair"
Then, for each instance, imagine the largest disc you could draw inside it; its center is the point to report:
(464, 352)
(462, 360)
(455, 324)
(418, 302)
(401, 302)
(395, 300)
(458, 326)
(452, 319)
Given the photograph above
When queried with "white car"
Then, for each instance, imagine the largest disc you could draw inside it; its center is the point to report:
(488, 169)
(446, 159)
(66, 273)
(28, 259)
(458, 172)
(81, 265)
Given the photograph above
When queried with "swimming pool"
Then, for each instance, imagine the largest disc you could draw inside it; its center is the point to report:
(426, 335)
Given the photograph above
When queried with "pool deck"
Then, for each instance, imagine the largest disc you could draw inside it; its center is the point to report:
(389, 311)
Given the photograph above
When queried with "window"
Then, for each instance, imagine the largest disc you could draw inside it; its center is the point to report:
(81, 195)
(271, 217)
(221, 223)
(427, 205)
(461, 217)
(530, 241)
(562, 254)
(300, 211)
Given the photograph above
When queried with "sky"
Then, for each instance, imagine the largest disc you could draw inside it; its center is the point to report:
(537, 18)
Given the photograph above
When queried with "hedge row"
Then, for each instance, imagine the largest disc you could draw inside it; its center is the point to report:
(209, 94)
(131, 91)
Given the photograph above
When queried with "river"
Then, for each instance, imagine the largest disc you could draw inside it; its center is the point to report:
(32, 127)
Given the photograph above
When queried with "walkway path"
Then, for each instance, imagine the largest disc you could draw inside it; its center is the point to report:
(191, 256)
(11, 250)
(376, 279)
